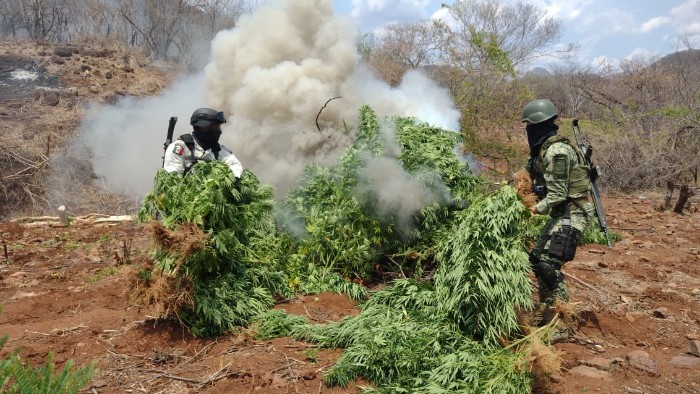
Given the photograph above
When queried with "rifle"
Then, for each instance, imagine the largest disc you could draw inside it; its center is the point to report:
(587, 151)
(169, 137)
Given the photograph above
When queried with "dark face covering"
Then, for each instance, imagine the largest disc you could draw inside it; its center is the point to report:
(208, 138)
(537, 134)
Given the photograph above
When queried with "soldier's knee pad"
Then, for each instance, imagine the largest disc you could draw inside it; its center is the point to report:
(549, 274)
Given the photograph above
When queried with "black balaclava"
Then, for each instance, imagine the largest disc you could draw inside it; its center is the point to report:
(208, 139)
(538, 133)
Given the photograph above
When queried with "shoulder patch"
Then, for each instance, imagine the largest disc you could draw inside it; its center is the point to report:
(178, 150)
(560, 165)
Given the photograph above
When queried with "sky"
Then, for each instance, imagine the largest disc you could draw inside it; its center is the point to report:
(606, 31)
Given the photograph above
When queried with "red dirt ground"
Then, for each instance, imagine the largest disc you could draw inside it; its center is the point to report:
(63, 291)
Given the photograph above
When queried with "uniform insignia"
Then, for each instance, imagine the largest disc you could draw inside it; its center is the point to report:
(178, 150)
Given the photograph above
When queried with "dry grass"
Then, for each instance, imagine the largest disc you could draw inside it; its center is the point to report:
(543, 360)
(167, 292)
(185, 241)
(38, 169)
(523, 185)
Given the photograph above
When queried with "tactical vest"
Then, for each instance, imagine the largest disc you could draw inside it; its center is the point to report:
(579, 178)
(188, 139)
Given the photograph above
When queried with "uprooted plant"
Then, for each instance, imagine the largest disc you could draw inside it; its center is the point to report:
(221, 258)
(399, 197)
(449, 335)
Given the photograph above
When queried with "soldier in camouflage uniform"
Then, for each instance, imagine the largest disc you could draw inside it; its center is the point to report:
(562, 183)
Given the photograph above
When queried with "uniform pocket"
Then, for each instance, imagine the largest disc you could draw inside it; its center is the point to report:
(562, 245)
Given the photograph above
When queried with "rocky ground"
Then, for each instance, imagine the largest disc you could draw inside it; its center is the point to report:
(44, 91)
(64, 290)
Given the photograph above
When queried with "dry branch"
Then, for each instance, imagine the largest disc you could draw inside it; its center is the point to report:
(321, 110)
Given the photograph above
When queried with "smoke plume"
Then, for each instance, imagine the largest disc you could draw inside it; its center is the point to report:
(270, 75)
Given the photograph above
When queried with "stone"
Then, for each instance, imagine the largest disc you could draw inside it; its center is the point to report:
(50, 99)
(693, 337)
(584, 371)
(600, 363)
(308, 374)
(694, 348)
(556, 378)
(641, 361)
(99, 384)
(617, 360)
(69, 92)
(685, 362)
(278, 382)
(94, 89)
(660, 313)
(644, 260)
(630, 318)
(109, 75)
(64, 52)
(58, 60)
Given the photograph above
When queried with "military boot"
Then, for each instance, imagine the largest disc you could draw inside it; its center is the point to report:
(560, 333)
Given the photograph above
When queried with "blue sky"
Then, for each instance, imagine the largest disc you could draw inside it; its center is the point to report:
(606, 31)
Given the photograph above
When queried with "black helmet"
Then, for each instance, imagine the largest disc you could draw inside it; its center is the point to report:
(203, 117)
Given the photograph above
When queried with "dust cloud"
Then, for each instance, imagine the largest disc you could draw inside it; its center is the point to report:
(270, 75)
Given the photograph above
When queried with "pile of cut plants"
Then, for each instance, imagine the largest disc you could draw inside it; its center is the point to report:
(400, 203)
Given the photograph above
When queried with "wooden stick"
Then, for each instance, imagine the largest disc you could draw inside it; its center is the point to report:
(322, 108)
(285, 366)
(583, 283)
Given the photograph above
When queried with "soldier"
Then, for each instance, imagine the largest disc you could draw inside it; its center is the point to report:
(201, 145)
(561, 181)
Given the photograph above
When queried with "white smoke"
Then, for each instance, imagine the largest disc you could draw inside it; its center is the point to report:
(392, 192)
(271, 75)
(274, 72)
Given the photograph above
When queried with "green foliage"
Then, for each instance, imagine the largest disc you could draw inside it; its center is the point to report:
(532, 227)
(419, 337)
(592, 235)
(595, 235)
(16, 377)
(234, 271)
(483, 273)
(317, 281)
(487, 45)
(343, 232)
(311, 355)
(222, 303)
(275, 324)
(233, 213)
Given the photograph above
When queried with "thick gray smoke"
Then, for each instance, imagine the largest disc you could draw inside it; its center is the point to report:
(125, 141)
(275, 71)
(271, 75)
(391, 191)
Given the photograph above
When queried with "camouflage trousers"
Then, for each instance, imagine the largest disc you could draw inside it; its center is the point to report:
(551, 283)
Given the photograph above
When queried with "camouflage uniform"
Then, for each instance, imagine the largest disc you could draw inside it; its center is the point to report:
(560, 167)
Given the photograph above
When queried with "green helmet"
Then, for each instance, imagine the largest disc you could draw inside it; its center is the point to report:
(538, 111)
